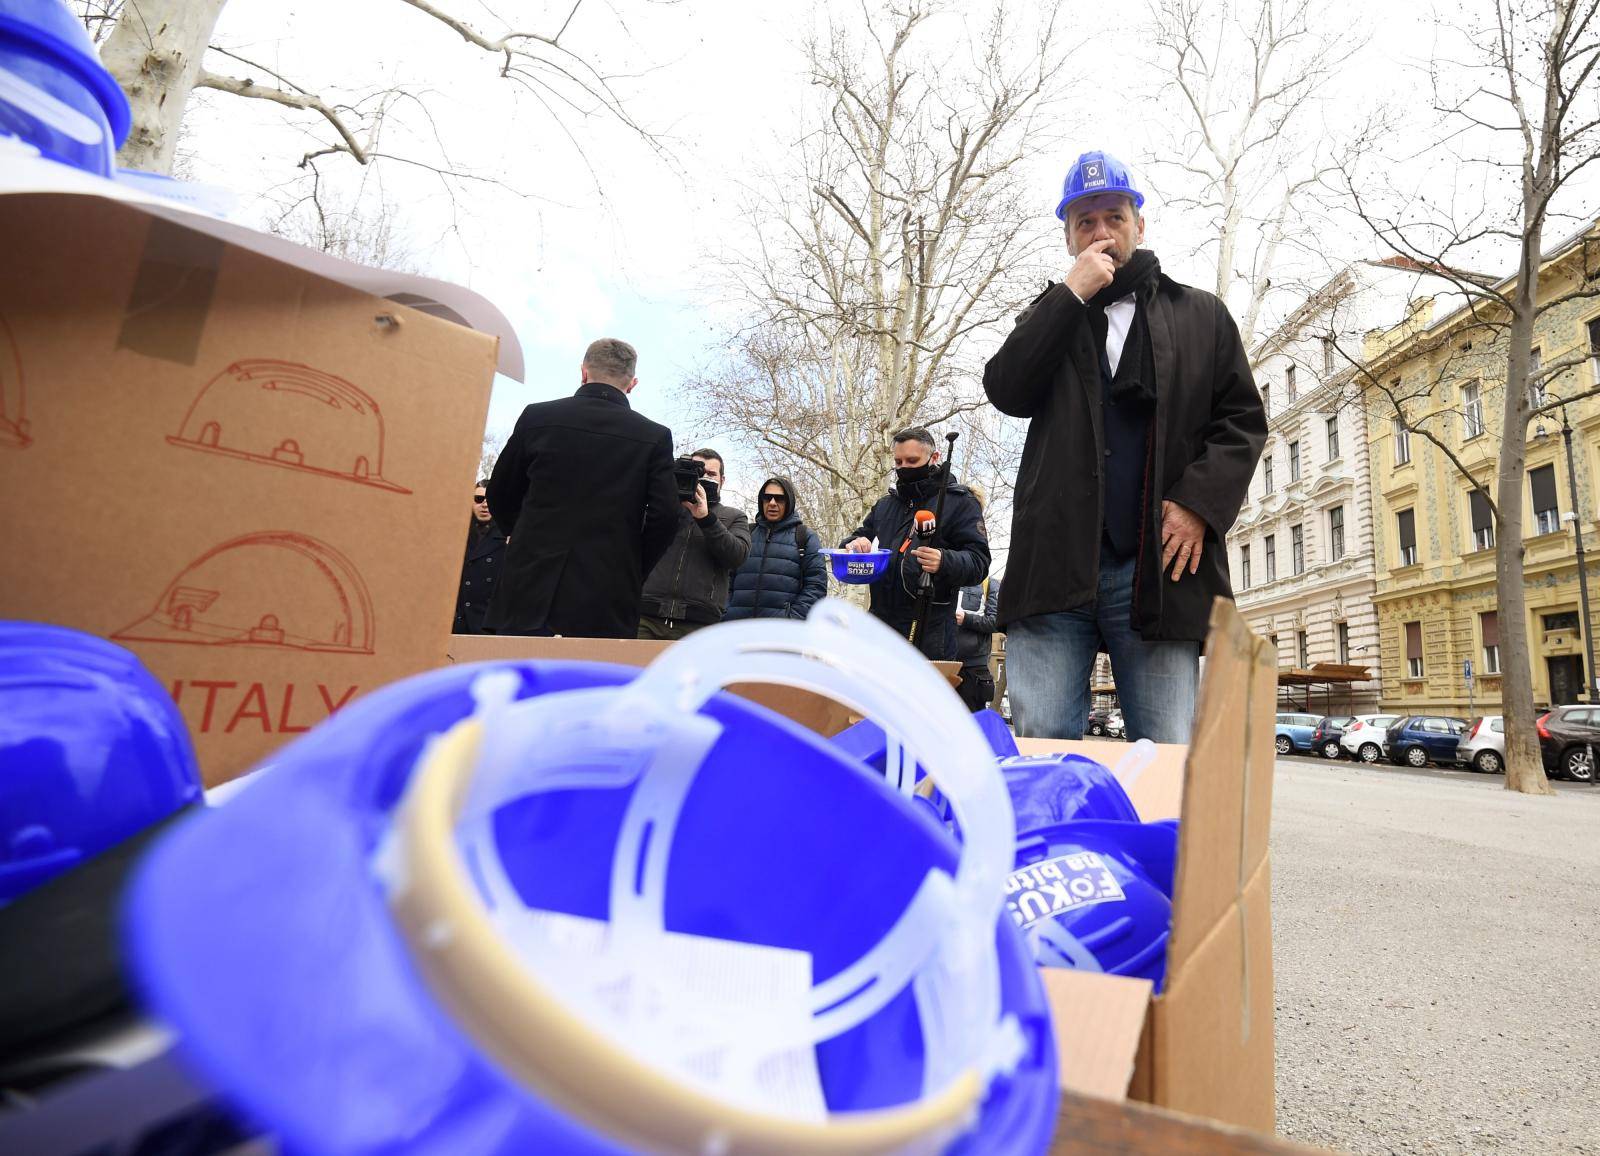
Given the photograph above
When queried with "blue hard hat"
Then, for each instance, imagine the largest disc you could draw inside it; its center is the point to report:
(262, 934)
(1089, 895)
(54, 93)
(1095, 173)
(1057, 788)
(92, 751)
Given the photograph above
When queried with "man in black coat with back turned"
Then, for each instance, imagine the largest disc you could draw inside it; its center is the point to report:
(585, 491)
(960, 557)
(1145, 426)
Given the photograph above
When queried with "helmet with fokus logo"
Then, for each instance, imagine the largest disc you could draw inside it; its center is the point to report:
(92, 751)
(1095, 173)
(547, 907)
(1096, 895)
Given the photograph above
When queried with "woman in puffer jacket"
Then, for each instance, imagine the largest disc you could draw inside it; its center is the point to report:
(786, 573)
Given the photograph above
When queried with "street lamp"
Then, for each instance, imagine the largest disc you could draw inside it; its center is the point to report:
(1590, 682)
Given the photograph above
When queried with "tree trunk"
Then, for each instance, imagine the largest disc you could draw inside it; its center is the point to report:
(1524, 767)
(155, 53)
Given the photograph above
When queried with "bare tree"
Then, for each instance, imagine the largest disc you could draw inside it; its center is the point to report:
(493, 444)
(1249, 145)
(1528, 82)
(900, 236)
(160, 51)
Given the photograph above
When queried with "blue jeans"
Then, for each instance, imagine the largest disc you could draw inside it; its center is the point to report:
(1050, 659)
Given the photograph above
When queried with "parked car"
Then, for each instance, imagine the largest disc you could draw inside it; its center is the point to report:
(1420, 739)
(1330, 728)
(1483, 747)
(1567, 738)
(1363, 736)
(1099, 718)
(1115, 727)
(1294, 732)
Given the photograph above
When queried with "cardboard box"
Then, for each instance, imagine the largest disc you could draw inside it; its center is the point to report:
(820, 714)
(1204, 1046)
(252, 476)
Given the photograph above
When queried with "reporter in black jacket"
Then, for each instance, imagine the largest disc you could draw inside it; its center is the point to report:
(960, 559)
(584, 491)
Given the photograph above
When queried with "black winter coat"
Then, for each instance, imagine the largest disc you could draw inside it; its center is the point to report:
(975, 632)
(1207, 432)
(778, 579)
(965, 541)
(586, 487)
(690, 583)
(486, 549)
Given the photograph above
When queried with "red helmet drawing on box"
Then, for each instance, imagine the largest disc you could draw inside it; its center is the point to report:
(281, 413)
(271, 588)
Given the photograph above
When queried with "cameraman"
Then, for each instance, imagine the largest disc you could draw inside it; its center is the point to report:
(688, 588)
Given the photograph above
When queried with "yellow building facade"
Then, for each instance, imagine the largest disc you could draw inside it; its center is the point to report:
(1437, 598)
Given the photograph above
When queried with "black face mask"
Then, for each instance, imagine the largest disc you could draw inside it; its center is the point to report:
(910, 475)
(916, 482)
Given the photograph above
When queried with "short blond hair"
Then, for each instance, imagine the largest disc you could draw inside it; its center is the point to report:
(611, 360)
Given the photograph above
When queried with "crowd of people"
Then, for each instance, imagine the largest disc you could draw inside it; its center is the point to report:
(1144, 426)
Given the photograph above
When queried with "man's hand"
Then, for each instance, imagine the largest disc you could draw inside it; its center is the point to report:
(698, 508)
(1183, 535)
(858, 545)
(1092, 271)
(961, 616)
(928, 558)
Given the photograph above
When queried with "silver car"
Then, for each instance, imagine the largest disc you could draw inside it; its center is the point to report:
(1483, 748)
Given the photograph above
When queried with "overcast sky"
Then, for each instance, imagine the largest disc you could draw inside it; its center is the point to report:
(625, 244)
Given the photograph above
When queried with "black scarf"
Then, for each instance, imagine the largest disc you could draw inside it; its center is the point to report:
(1135, 377)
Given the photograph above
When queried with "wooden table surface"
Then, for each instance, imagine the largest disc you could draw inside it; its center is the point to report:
(1087, 1126)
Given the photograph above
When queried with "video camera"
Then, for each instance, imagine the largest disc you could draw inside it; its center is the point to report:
(688, 473)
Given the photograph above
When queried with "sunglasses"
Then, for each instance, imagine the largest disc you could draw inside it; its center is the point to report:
(779, 498)
(476, 498)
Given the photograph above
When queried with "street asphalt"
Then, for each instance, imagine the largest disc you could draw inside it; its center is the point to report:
(1437, 951)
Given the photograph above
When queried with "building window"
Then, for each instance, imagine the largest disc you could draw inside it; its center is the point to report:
(1471, 411)
(1327, 353)
(1244, 567)
(1333, 438)
(1271, 551)
(1336, 533)
(1294, 461)
(1297, 548)
(1274, 640)
(1266, 471)
(1402, 442)
(1594, 350)
(1303, 643)
(1289, 387)
(1413, 650)
(1489, 623)
(1344, 643)
(1266, 400)
(1482, 520)
(1566, 620)
(1546, 511)
(1406, 525)
(1536, 392)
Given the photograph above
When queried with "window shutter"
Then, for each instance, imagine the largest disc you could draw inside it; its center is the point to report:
(1543, 481)
(1491, 627)
(1413, 640)
(1407, 522)
(1482, 517)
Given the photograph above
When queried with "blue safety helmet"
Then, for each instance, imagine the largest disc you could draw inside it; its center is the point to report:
(1097, 896)
(92, 751)
(1095, 173)
(54, 93)
(1050, 789)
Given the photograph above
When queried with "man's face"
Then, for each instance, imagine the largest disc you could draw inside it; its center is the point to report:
(774, 503)
(713, 469)
(480, 505)
(1106, 216)
(908, 455)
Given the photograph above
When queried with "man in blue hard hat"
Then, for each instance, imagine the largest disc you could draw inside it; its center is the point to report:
(1144, 429)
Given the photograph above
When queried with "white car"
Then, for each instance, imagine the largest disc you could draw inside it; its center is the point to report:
(1363, 738)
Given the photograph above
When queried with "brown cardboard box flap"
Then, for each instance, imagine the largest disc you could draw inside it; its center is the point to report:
(1097, 1021)
(257, 476)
